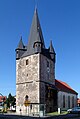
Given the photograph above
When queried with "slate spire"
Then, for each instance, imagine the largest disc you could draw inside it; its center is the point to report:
(51, 49)
(35, 32)
(20, 45)
(20, 49)
(36, 40)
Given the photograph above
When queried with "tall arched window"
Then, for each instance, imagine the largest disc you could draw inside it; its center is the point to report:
(68, 101)
(72, 101)
(63, 101)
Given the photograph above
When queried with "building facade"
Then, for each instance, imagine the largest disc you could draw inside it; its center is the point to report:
(35, 73)
(67, 97)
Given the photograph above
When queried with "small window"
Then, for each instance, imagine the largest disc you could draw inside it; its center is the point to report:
(36, 45)
(27, 62)
(31, 106)
(26, 97)
(17, 52)
(39, 45)
(47, 63)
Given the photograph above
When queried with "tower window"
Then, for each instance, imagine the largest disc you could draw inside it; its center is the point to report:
(27, 62)
(39, 45)
(26, 97)
(27, 75)
(36, 45)
(47, 63)
(17, 52)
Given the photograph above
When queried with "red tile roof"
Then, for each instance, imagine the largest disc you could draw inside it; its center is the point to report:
(78, 101)
(2, 98)
(62, 86)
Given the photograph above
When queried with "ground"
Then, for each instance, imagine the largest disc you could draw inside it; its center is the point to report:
(68, 116)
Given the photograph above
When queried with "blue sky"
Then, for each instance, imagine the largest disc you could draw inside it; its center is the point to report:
(60, 21)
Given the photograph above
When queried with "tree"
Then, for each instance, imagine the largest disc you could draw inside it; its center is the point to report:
(10, 100)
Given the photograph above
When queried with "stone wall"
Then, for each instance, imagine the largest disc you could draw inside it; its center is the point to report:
(27, 77)
(47, 73)
(31, 79)
(47, 76)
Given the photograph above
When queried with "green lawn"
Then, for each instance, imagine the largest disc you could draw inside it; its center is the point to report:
(56, 113)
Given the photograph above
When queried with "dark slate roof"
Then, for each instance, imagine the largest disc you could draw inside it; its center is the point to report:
(46, 53)
(51, 49)
(62, 86)
(20, 45)
(35, 35)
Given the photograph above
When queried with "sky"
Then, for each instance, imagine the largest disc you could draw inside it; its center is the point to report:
(60, 22)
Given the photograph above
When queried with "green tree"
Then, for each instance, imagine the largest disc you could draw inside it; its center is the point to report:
(10, 100)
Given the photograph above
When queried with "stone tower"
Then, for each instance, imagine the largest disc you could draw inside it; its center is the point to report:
(35, 72)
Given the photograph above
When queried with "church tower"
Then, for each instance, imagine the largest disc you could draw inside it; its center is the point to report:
(35, 72)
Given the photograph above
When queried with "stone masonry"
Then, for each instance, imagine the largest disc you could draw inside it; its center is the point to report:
(36, 88)
(27, 80)
(35, 71)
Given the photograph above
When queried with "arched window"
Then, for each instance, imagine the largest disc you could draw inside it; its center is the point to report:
(26, 97)
(17, 52)
(72, 101)
(63, 101)
(68, 101)
(35, 45)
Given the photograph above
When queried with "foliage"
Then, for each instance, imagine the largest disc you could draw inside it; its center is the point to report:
(10, 100)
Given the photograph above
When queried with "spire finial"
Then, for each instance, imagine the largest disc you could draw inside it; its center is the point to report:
(51, 42)
(21, 38)
(51, 46)
(36, 2)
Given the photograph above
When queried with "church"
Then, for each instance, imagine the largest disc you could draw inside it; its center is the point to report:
(36, 87)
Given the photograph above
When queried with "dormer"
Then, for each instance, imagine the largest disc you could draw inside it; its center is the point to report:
(37, 47)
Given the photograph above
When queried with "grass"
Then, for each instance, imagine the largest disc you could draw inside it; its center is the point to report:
(56, 113)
